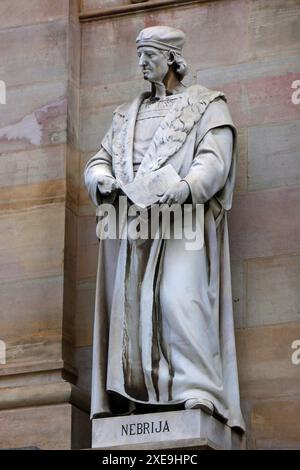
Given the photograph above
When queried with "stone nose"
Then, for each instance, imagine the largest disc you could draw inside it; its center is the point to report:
(142, 60)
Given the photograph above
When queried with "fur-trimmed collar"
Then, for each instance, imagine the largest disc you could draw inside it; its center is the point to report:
(169, 137)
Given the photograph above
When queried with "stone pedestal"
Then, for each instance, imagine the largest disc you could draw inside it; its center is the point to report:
(40, 407)
(192, 429)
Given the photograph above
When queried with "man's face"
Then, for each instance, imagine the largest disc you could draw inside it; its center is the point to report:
(154, 63)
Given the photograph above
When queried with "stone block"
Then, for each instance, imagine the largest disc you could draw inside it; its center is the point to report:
(15, 13)
(28, 167)
(31, 308)
(90, 5)
(248, 72)
(87, 262)
(83, 363)
(71, 236)
(28, 196)
(30, 98)
(32, 243)
(258, 92)
(265, 362)
(273, 295)
(73, 178)
(85, 303)
(44, 61)
(32, 178)
(274, 27)
(99, 96)
(87, 248)
(94, 126)
(242, 163)
(74, 45)
(265, 223)
(39, 119)
(54, 427)
(273, 154)
(37, 347)
(274, 424)
(238, 280)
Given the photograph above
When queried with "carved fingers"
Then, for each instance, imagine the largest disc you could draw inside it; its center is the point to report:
(106, 185)
(178, 194)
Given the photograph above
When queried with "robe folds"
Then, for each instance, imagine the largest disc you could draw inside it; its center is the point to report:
(163, 327)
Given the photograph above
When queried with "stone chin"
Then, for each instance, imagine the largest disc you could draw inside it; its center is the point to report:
(147, 75)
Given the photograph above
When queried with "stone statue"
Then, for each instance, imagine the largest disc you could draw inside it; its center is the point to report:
(163, 329)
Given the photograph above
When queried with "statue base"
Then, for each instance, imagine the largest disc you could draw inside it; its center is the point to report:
(189, 429)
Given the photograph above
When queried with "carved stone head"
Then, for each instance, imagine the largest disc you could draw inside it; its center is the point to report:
(159, 49)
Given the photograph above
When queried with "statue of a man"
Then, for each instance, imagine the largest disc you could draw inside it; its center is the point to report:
(163, 330)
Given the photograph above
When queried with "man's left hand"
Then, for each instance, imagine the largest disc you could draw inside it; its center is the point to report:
(177, 194)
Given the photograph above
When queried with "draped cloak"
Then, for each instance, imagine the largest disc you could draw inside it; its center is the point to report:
(163, 326)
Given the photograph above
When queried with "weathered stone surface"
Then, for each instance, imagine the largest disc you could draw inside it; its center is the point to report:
(74, 38)
(90, 5)
(15, 13)
(87, 248)
(85, 296)
(29, 167)
(73, 114)
(87, 262)
(36, 348)
(33, 177)
(274, 424)
(87, 231)
(37, 303)
(32, 243)
(274, 156)
(39, 119)
(83, 363)
(36, 194)
(30, 98)
(95, 125)
(175, 429)
(265, 361)
(47, 427)
(73, 178)
(239, 294)
(242, 163)
(264, 223)
(274, 27)
(34, 395)
(86, 207)
(250, 71)
(46, 55)
(273, 295)
(258, 92)
(100, 96)
(70, 260)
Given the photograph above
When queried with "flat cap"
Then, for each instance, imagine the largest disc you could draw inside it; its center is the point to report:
(161, 37)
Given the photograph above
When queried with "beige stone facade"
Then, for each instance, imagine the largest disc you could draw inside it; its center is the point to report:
(67, 65)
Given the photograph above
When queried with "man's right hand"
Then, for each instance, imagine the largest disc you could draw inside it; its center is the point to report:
(106, 185)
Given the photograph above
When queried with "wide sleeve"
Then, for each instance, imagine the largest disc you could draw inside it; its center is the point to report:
(211, 164)
(99, 165)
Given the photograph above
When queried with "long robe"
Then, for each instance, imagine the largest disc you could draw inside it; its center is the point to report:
(163, 328)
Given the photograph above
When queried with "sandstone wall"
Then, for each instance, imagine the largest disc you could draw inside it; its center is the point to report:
(37, 381)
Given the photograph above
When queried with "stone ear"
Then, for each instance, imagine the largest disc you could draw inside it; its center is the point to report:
(171, 58)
